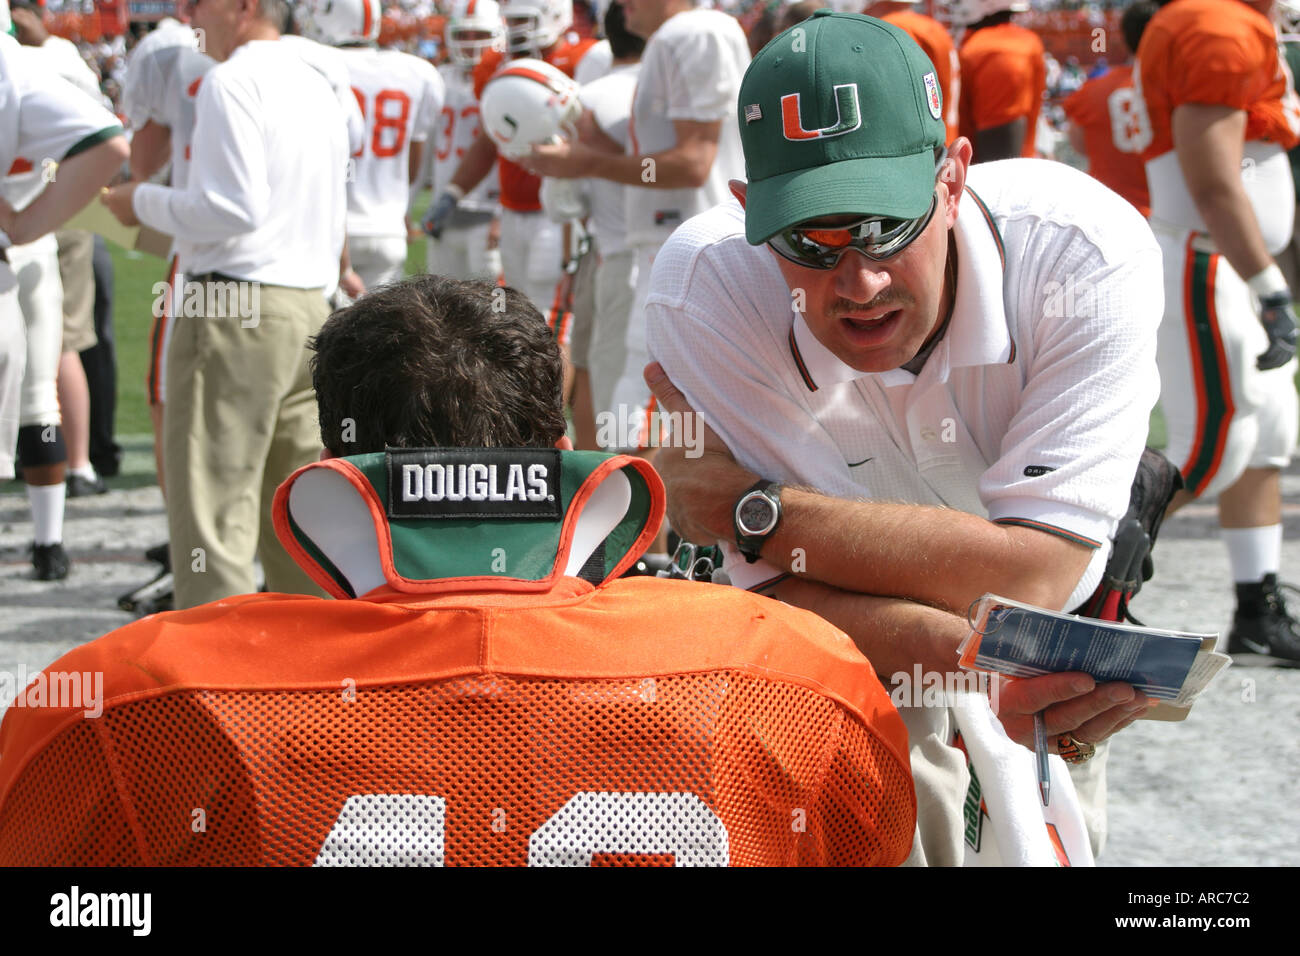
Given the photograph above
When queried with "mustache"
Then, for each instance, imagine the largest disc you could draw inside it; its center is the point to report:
(890, 299)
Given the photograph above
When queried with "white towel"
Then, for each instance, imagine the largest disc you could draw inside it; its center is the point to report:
(1018, 830)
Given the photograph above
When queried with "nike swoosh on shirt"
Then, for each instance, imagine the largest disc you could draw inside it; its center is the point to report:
(854, 464)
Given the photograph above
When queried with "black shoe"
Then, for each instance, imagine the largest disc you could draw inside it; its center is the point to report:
(157, 595)
(160, 553)
(79, 487)
(1262, 624)
(50, 561)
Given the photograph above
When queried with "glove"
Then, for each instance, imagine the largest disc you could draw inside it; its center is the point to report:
(440, 211)
(1278, 318)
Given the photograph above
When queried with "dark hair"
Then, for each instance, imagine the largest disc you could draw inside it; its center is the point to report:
(1134, 22)
(622, 44)
(435, 362)
(797, 13)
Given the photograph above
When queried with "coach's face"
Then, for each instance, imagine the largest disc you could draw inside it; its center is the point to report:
(876, 316)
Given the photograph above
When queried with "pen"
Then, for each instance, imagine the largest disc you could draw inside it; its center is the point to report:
(1040, 756)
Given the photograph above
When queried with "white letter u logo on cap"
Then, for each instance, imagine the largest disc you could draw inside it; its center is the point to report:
(847, 115)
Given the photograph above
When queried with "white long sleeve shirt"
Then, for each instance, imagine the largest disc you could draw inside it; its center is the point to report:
(266, 198)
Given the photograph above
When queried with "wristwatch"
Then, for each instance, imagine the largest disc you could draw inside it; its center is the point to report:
(758, 512)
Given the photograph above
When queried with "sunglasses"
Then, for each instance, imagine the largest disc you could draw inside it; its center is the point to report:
(876, 237)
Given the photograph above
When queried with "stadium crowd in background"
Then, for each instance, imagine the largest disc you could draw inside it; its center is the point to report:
(556, 146)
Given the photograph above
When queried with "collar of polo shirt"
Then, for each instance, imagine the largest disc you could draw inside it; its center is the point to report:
(977, 333)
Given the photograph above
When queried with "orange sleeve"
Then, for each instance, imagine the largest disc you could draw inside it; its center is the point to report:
(1001, 90)
(1222, 66)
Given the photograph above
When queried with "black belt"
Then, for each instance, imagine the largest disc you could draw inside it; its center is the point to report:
(207, 277)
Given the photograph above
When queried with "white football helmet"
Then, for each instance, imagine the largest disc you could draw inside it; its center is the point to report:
(966, 12)
(473, 28)
(528, 102)
(1287, 13)
(534, 25)
(339, 22)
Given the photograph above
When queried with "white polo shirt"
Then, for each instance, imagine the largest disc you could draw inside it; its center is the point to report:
(1032, 409)
(266, 196)
(690, 70)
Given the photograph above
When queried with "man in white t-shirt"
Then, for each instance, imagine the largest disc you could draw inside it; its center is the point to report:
(919, 410)
(683, 147)
(260, 224)
(401, 97)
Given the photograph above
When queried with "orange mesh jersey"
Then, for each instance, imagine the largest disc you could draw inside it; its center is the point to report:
(637, 721)
(931, 37)
(1215, 52)
(520, 188)
(1113, 134)
(1002, 80)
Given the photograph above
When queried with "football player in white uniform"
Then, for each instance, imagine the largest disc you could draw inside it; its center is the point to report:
(401, 97)
(532, 248)
(41, 118)
(463, 248)
(54, 381)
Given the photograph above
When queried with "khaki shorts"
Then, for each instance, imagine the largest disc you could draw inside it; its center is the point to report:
(76, 252)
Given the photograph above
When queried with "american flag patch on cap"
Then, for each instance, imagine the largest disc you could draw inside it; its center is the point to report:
(753, 112)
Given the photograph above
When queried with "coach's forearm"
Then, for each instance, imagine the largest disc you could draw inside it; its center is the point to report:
(894, 635)
(934, 555)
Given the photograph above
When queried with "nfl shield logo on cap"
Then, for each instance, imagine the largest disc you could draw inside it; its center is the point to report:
(932, 96)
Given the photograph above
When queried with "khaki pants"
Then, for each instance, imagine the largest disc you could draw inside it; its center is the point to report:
(241, 417)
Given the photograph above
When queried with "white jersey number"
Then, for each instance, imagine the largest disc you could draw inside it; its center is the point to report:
(1130, 127)
(398, 829)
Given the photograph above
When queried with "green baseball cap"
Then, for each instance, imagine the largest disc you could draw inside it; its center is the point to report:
(840, 114)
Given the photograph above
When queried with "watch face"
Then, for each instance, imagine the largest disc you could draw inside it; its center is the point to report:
(757, 514)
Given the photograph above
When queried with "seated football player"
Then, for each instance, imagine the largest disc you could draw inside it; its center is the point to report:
(484, 687)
